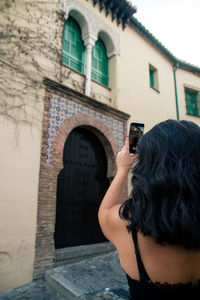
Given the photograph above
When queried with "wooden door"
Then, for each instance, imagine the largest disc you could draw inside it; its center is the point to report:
(80, 188)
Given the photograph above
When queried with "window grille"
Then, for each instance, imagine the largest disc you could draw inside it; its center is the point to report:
(153, 78)
(191, 102)
(100, 63)
(151, 74)
(73, 49)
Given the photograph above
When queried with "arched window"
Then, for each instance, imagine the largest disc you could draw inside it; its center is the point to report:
(100, 63)
(73, 49)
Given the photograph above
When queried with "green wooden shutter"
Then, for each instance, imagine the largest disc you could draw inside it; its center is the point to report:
(151, 74)
(100, 63)
(191, 102)
(73, 49)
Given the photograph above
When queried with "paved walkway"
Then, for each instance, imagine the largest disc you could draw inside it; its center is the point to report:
(36, 290)
(97, 278)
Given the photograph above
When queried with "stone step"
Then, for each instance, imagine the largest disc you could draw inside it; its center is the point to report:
(99, 277)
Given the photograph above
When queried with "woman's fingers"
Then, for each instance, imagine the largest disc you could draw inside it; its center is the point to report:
(126, 144)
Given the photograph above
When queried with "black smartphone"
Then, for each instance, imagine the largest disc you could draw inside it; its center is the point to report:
(135, 132)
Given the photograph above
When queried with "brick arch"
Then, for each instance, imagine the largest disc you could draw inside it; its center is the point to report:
(51, 163)
(93, 124)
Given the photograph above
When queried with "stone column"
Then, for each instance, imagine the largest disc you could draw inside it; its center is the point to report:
(89, 42)
(88, 69)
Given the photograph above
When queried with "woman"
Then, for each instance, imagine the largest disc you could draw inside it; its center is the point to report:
(157, 231)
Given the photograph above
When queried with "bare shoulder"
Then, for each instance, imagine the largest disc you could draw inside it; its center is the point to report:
(112, 224)
(113, 218)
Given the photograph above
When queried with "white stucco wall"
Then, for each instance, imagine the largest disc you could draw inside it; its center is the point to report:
(19, 170)
(135, 94)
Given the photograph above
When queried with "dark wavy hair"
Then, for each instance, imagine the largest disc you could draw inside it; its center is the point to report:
(165, 199)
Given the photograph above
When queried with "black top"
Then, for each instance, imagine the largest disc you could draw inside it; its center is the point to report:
(145, 289)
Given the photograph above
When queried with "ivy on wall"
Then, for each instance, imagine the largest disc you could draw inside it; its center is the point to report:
(30, 49)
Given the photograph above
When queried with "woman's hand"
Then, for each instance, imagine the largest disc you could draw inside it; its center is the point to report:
(125, 159)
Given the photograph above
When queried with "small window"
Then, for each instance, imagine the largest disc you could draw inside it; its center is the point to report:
(100, 63)
(153, 77)
(73, 49)
(192, 103)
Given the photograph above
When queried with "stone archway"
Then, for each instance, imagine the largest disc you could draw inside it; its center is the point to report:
(91, 25)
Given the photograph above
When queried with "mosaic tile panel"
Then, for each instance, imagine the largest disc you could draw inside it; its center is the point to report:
(62, 108)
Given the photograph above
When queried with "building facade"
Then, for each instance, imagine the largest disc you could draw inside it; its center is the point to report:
(74, 74)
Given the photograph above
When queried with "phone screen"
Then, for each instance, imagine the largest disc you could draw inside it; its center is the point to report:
(135, 132)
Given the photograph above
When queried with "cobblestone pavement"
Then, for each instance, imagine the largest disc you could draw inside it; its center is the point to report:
(99, 278)
(117, 294)
(36, 290)
(40, 290)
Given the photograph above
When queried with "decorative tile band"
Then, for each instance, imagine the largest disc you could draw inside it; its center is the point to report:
(62, 108)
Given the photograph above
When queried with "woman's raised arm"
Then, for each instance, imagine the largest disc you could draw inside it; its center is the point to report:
(109, 209)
